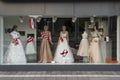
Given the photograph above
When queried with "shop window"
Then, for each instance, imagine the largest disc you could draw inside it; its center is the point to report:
(63, 40)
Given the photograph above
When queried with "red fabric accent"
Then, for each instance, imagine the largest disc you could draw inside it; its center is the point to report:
(45, 35)
(30, 25)
(61, 39)
(64, 52)
(30, 39)
(15, 41)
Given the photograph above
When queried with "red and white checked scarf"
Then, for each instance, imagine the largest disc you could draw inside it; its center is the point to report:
(45, 35)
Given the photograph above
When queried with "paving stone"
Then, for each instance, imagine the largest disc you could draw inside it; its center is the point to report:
(100, 78)
(18, 78)
(6, 78)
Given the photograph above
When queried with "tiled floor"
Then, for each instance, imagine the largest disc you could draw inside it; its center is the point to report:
(60, 75)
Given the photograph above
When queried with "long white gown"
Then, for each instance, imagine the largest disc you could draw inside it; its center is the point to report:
(63, 45)
(15, 53)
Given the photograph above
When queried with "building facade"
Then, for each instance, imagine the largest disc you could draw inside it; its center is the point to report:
(11, 12)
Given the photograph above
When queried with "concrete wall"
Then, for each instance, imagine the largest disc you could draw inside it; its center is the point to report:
(61, 9)
(1, 39)
(50, 9)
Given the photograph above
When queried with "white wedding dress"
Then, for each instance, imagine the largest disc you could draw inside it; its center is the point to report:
(15, 53)
(63, 45)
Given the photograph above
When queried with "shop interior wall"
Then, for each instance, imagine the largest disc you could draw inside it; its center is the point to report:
(9, 21)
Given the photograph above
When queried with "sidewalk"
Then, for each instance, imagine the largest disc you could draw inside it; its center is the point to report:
(60, 75)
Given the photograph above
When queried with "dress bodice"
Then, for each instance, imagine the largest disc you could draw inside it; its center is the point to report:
(94, 34)
(84, 35)
(63, 35)
(95, 37)
(45, 35)
(15, 34)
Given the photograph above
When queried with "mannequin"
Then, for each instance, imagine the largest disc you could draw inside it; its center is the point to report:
(83, 47)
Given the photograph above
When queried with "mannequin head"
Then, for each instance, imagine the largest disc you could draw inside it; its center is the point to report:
(15, 28)
(45, 28)
(64, 28)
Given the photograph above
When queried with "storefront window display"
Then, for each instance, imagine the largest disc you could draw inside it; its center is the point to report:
(60, 40)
